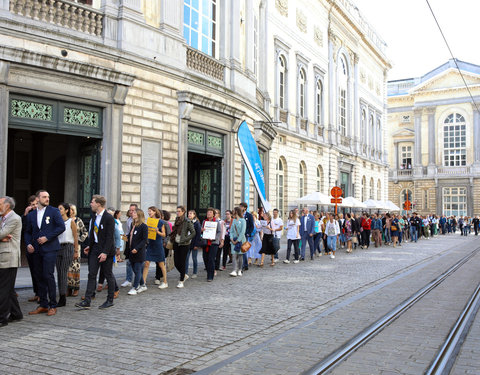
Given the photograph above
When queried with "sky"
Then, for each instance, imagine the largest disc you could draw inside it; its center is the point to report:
(415, 45)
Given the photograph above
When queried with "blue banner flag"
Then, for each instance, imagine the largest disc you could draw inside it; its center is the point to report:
(251, 157)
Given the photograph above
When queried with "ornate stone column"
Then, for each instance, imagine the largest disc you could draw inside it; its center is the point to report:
(431, 141)
(331, 88)
(249, 35)
(4, 95)
(417, 153)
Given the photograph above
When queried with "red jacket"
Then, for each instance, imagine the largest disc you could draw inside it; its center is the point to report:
(366, 223)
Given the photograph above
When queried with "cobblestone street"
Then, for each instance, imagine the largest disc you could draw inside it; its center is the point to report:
(260, 323)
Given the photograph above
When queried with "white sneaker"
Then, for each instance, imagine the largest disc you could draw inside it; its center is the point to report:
(163, 286)
(132, 292)
(142, 288)
(296, 261)
(239, 273)
(126, 283)
(180, 284)
(186, 278)
(234, 273)
(286, 261)
(157, 282)
(332, 256)
(194, 276)
(276, 260)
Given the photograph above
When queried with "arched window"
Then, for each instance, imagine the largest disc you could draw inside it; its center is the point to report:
(320, 179)
(379, 190)
(302, 178)
(318, 102)
(282, 82)
(372, 189)
(280, 186)
(364, 189)
(363, 126)
(342, 95)
(379, 135)
(302, 85)
(454, 141)
(371, 131)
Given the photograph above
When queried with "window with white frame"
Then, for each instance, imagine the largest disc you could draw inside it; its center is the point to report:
(454, 141)
(379, 134)
(363, 124)
(454, 201)
(301, 179)
(302, 83)
(372, 189)
(318, 102)
(371, 131)
(320, 179)
(200, 25)
(282, 82)
(255, 45)
(379, 190)
(406, 157)
(364, 189)
(280, 186)
(342, 96)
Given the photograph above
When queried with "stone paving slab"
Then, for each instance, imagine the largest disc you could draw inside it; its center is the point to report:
(204, 323)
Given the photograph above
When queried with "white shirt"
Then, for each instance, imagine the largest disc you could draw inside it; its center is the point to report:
(67, 236)
(332, 229)
(305, 219)
(40, 214)
(292, 229)
(97, 221)
(277, 224)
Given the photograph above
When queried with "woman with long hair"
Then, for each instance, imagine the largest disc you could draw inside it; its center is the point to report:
(195, 245)
(135, 252)
(267, 242)
(68, 245)
(182, 234)
(349, 231)
(155, 252)
(73, 276)
(293, 236)
(237, 238)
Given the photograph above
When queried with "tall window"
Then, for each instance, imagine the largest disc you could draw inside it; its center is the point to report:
(301, 179)
(364, 189)
(342, 96)
(454, 141)
(363, 128)
(372, 189)
(318, 102)
(379, 134)
(406, 157)
(280, 186)
(282, 82)
(255, 45)
(454, 201)
(199, 24)
(320, 179)
(371, 130)
(301, 93)
(379, 190)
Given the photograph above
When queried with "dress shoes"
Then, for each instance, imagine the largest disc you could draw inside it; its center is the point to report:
(34, 299)
(106, 304)
(75, 293)
(92, 298)
(83, 305)
(115, 294)
(52, 311)
(14, 318)
(38, 310)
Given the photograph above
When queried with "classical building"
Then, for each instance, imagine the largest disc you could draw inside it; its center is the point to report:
(140, 100)
(433, 135)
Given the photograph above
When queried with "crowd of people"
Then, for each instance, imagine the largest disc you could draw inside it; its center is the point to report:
(56, 239)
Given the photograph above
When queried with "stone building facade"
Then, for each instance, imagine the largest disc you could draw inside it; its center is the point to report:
(140, 100)
(433, 135)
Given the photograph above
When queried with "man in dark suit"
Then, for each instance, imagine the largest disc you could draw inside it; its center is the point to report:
(307, 229)
(43, 226)
(100, 251)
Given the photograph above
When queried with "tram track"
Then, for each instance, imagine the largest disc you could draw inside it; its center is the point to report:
(444, 356)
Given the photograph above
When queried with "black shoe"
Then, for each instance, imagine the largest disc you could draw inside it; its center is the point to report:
(302, 259)
(4, 323)
(83, 305)
(106, 304)
(62, 301)
(245, 268)
(14, 318)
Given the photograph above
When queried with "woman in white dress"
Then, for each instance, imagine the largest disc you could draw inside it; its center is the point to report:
(253, 252)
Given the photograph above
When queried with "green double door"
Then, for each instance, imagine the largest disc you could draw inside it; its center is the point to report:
(204, 182)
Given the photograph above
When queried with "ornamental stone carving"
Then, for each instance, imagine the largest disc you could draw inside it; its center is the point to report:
(318, 36)
(282, 7)
(363, 76)
(301, 21)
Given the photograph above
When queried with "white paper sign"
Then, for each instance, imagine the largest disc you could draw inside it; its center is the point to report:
(210, 230)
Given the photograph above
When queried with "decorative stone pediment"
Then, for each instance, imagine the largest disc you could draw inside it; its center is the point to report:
(404, 133)
(449, 79)
(282, 7)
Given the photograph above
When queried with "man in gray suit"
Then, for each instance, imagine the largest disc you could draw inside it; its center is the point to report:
(10, 234)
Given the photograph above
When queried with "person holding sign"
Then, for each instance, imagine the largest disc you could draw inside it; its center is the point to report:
(211, 233)
(155, 250)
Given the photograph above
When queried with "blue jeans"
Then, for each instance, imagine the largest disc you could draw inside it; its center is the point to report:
(400, 236)
(138, 271)
(129, 271)
(413, 233)
(194, 253)
(317, 240)
(209, 260)
(306, 238)
(332, 243)
(388, 235)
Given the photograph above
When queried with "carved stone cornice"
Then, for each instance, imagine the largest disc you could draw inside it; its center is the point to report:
(210, 104)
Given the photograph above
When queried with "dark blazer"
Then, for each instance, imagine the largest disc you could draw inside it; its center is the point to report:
(250, 224)
(139, 242)
(106, 234)
(52, 226)
(310, 225)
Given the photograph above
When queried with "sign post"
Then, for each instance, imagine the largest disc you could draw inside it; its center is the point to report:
(336, 193)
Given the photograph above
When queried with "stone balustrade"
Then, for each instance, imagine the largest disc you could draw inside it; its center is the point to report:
(205, 64)
(60, 12)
